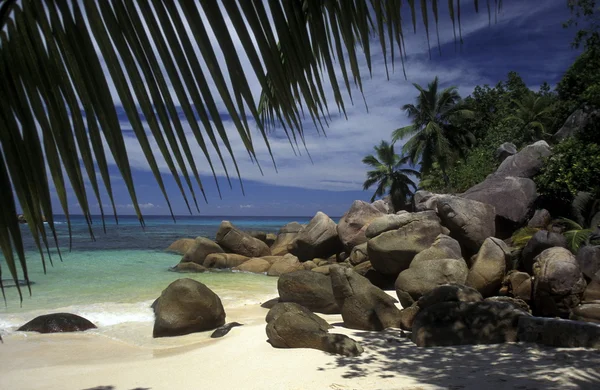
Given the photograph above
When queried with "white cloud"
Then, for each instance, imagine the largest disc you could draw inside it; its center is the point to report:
(246, 206)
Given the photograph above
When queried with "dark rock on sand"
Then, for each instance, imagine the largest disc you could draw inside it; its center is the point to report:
(458, 323)
(306, 330)
(223, 330)
(187, 306)
(309, 289)
(290, 307)
(57, 323)
(362, 305)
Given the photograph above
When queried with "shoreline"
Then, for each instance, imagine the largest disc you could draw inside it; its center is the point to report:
(244, 359)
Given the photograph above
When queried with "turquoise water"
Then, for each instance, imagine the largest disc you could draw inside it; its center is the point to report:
(115, 278)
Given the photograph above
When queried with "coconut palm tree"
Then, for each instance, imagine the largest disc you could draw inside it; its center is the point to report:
(535, 114)
(64, 64)
(390, 174)
(434, 138)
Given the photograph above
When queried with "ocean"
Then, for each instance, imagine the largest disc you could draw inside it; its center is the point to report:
(113, 280)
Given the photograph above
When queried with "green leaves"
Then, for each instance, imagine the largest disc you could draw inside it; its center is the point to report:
(65, 64)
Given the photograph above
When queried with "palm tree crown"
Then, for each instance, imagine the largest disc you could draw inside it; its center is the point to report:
(389, 173)
(534, 112)
(434, 138)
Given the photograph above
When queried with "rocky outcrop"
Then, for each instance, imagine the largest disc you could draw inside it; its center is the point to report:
(559, 333)
(359, 254)
(458, 323)
(57, 323)
(318, 239)
(538, 243)
(256, 265)
(286, 264)
(394, 240)
(470, 222)
(540, 220)
(291, 307)
(362, 305)
(201, 248)
(588, 259)
(437, 265)
(527, 163)
(384, 282)
(187, 306)
(305, 330)
(592, 291)
(423, 276)
(224, 260)
(181, 246)
(513, 199)
(518, 303)
(236, 241)
(352, 225)
(490, 265)
(223, 330)
(505, 150)
(559, 283)
(576, 122)
(309, 289)
(285, 237)
(188, 267)
(588, 312)
(518, 285)
(384, 205)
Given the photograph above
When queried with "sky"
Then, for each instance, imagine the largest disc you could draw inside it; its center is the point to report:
(528, 38)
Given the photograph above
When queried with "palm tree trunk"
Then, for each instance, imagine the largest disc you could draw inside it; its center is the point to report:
(446, 178)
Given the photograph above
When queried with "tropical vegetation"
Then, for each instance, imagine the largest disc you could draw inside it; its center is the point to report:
(390, 174)
(434, 137)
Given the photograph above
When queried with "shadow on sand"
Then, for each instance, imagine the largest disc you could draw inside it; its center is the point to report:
(500, 366)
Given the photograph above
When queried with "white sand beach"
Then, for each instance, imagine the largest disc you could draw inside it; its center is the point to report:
(244, 360)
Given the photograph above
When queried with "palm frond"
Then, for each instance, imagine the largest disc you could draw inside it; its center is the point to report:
(58, 106)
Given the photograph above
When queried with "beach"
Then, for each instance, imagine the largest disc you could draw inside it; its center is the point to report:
(114, 280)
(244, 360)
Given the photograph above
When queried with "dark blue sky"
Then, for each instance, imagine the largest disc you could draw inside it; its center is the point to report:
(528, 38)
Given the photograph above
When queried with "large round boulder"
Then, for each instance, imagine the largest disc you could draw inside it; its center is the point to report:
(470, 222)
(257, 265)
(352, 225)
(181, 246)
(505, 150)
(224, 260)
(57, 323)
(527, 163)
(286, 264)
(588, 312)
(187, 306)
(459, 323)
(588, 258)
(513, 199)
(286, 235)
(188, 268)
(423, 276)
(558, 283)
(518, 285)
(362, 305)
(489, 268)
(359, 254)
(290, 307)
(236, 241)
(201, 248)
(394, 240)
(592, 291)
(309, 289)
(540, 220)
(299, 329)
(538, 243)
(318, 239)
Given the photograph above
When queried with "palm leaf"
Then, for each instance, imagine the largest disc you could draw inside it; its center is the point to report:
(58, 107)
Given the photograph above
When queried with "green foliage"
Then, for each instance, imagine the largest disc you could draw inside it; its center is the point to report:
(576, 235)
(521, 237)
(390, 174)
(584, 12)
(433, 137)
(572, 167)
